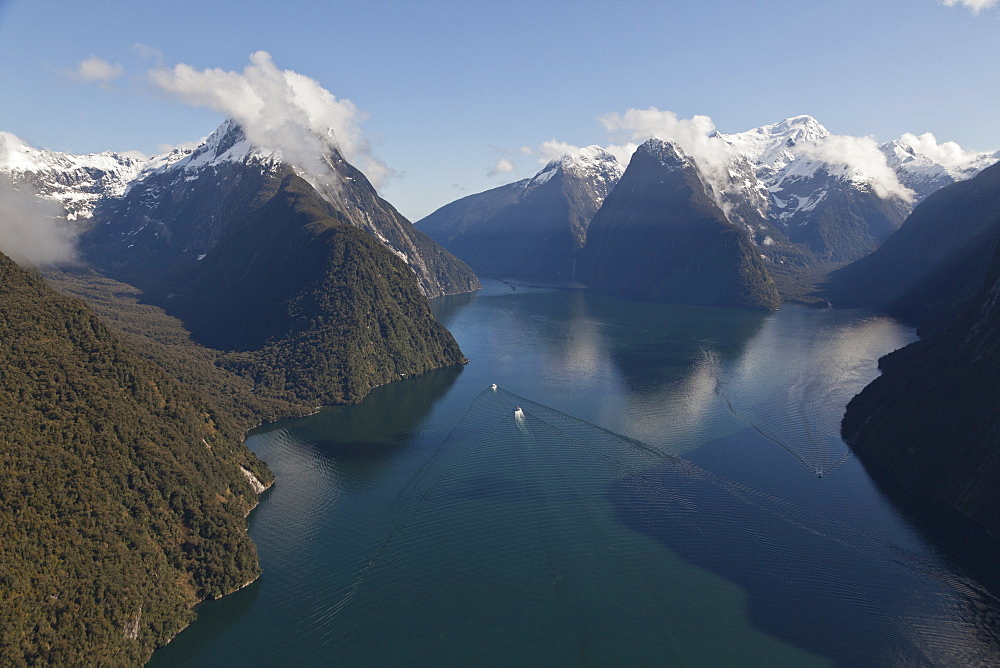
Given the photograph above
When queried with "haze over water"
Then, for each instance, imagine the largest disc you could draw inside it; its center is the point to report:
(647, 484)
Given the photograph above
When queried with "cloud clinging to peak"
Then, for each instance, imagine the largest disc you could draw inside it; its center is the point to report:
(279, 110)
(862, 155)
(948, 153)
(693, 135)
(975, 6)
(98, 69)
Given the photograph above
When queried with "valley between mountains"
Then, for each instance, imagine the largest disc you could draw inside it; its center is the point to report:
(212, 289)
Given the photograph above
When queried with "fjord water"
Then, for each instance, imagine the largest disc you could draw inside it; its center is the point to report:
(648, 484)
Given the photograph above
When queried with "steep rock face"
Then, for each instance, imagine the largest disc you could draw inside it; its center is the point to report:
(661, 236)
(318, 310)
(123, 497)
(534, 227)
(175, 213)
(932, 419)
(937, 258)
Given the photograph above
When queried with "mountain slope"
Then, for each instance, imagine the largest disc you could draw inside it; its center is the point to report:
(661, 236)
(321, 311)
(123, 494)
(937, 258)
(931, 419)
(534, 227)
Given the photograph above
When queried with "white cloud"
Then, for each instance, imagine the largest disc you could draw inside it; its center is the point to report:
(527, 150)
(861, 155)
(949, 154)
(34, 231)
(98, 69)
(975, 5)
(503, 166)
(279, 110)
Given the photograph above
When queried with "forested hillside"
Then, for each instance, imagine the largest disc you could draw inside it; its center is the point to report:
(123, 493)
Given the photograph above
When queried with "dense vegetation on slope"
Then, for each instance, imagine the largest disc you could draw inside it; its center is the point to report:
(935, 261)
(932, 419)
(122, 497)
(163, 339)
(311, 308)
(660, 236)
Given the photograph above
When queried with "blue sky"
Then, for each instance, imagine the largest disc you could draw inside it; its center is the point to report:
(451, 88)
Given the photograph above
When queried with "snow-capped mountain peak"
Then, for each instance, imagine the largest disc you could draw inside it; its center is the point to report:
(667, 151)
(773, 147)
(591, 162)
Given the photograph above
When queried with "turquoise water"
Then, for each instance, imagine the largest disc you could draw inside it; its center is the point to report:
(647, 485)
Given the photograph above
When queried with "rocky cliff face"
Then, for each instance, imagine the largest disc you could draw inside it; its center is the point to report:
(660, 235)
(932, 419)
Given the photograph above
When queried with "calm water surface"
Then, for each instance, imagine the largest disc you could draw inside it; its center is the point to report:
(647, 485)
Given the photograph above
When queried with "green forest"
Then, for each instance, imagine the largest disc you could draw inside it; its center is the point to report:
(121, 496)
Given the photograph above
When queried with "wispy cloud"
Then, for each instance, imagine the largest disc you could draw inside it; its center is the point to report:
(98, 69)
(554, 149)
(975, 6)
(503, 166)
(146, 52)
(279, 110)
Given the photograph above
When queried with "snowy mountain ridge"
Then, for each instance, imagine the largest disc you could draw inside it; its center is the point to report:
(77, 182)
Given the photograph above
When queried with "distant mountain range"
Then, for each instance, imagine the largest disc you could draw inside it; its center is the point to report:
(803, 197)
